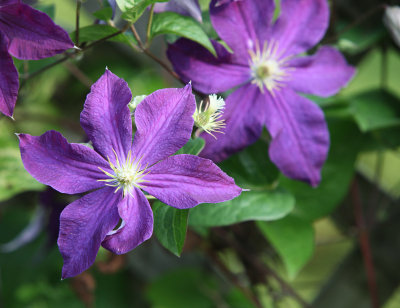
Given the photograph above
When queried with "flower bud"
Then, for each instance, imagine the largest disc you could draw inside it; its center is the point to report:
(135, 102)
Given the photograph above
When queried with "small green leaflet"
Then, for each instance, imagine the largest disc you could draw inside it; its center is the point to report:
(133, 9)
(173, 23)
(170, 225)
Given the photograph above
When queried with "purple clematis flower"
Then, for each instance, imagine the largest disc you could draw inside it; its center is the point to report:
(26, 34)
(266, 67)
(117, 170)
(183, 7)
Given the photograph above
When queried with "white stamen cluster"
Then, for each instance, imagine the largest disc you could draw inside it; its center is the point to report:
(126, 175)
(268, 69)
(208, 115)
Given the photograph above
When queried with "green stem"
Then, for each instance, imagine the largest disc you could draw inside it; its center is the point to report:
(71, 55)
(78, 10)
(148, 32)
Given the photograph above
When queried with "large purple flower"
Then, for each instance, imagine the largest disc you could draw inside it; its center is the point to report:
(26, 34)
(265, 66)
(117, 169)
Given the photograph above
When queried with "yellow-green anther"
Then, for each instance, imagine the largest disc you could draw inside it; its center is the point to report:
(126, 175)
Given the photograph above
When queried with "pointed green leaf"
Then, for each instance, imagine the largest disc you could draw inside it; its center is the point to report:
(251, 205)
(173, 23)
(133, 9)
(193, 147)
(97, 32)
(170, 225)
(104, 13)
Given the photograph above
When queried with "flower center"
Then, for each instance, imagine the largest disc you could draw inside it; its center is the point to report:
(269, 70)
(126, 175)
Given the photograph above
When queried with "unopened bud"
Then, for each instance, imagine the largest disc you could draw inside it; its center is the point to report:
(135, 102)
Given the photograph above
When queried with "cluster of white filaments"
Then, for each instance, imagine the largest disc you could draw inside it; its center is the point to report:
(269, 69)
(127, 175)
(208, 115)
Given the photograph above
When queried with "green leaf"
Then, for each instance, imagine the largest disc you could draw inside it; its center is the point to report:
(193, 147)
(251, 168)
(375, 110)
(133, 9)
(14, 178)
(170, 225)
(97, 32)
(252, 205)
(173, 23)
(337, 173)
(293, 239)
(104, 13)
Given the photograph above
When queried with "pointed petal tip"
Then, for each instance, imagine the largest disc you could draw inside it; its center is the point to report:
(188, 86)
(9, 112)
(314, 183)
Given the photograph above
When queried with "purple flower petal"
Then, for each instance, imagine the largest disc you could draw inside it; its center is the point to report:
(242, 24)
(137, 224)
(184, 181)
(300, 137)
(83, 226)
(244, 117)
(67, 167)
(209, 74)
(164, 122)
(7, 2)
(9, 82)
(183, 7)
(106, 117)
(32, 34)
(322, 74)
(301, 25)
